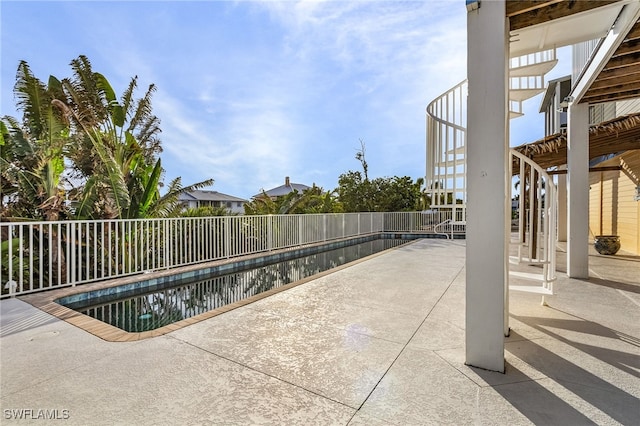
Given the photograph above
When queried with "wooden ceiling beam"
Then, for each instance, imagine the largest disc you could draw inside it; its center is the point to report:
(611, 97)
(620, 144)
(617, 73)
(591, 169)
(615, 89)
(533, 13)
(634, 33)
(630, 79)
(612, 148)
(519, 7)
(631, 60)
(628, 48)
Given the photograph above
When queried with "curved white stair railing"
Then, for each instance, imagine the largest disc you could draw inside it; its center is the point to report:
(446, 151)
(446, 178)
(537, 230)
(446, 117)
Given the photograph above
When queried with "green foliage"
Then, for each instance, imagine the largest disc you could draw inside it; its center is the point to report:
(169, 205)
(396, 194)
(261, 205)
(357, 193)
(32, 152)
(392, 194)
(206, 211)
(14, 245)
(77, 127)
(311, 200)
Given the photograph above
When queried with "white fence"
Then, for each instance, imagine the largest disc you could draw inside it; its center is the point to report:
(38, 256)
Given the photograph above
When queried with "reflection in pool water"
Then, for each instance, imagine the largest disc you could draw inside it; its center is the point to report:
(160, 307)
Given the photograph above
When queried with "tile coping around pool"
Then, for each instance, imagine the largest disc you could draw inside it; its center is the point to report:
(47, 301)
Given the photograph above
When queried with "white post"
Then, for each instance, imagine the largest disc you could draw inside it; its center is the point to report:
(562, 207)
(578, 191)
(487, 158)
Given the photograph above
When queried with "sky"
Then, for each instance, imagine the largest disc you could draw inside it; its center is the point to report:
(249, 92)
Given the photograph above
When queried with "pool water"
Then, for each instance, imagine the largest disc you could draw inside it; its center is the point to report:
(140, 310)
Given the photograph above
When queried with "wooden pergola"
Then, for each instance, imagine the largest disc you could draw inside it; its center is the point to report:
(611, 137)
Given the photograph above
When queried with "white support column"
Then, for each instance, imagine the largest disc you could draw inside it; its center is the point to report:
(578, 191)
(487, 157)
(562, 207)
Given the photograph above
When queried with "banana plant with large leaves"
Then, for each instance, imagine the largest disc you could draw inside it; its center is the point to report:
(32, 160)
(116, 146)
(78, 129)
(32, 151)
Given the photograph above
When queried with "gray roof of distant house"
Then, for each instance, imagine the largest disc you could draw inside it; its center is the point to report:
(281, 190)
(201, 195)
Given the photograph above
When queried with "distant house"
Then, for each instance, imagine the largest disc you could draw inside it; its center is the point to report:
(195, 199)
(283, 190)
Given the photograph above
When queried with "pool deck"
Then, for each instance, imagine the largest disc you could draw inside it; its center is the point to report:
(377, 343)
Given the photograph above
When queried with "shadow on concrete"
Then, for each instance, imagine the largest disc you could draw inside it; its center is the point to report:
(534, 401)
(14, 321)
(628, 362)
(631, 288)
(622, 257)
(597, 391)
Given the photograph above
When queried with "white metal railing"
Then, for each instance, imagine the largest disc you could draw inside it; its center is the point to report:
(446, 148)
(531, 82)
(450, 228)
(446, 178)
(424, 221)
(515, 107)
(446, 116)
(532, 59)
(538, 207)
(36, 256)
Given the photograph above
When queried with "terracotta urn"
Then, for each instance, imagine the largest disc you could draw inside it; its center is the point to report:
(607, 244)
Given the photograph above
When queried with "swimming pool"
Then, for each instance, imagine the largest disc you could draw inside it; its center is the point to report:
(151, 304)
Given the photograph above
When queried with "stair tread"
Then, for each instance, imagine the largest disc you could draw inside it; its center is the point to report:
(531, 289)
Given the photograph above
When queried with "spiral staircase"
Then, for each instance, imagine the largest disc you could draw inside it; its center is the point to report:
(446, 177)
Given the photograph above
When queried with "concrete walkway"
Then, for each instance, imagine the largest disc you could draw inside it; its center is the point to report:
(380, 342)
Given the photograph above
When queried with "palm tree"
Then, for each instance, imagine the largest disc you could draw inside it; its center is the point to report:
(32, 158)
(111, 149)
(116, 144)
(32, 155)
(116, 149)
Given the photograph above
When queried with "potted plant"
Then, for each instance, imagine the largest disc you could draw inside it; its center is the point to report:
(607, 244)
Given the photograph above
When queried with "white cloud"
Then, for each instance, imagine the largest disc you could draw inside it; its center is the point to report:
(250, 92)
(251, 145)
(333, 72)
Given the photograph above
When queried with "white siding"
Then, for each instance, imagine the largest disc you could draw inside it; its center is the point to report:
(602, 112)
(628, 107)
(581, 53)
(613, 208)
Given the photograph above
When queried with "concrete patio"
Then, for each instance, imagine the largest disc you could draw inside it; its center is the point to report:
(379, 342)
